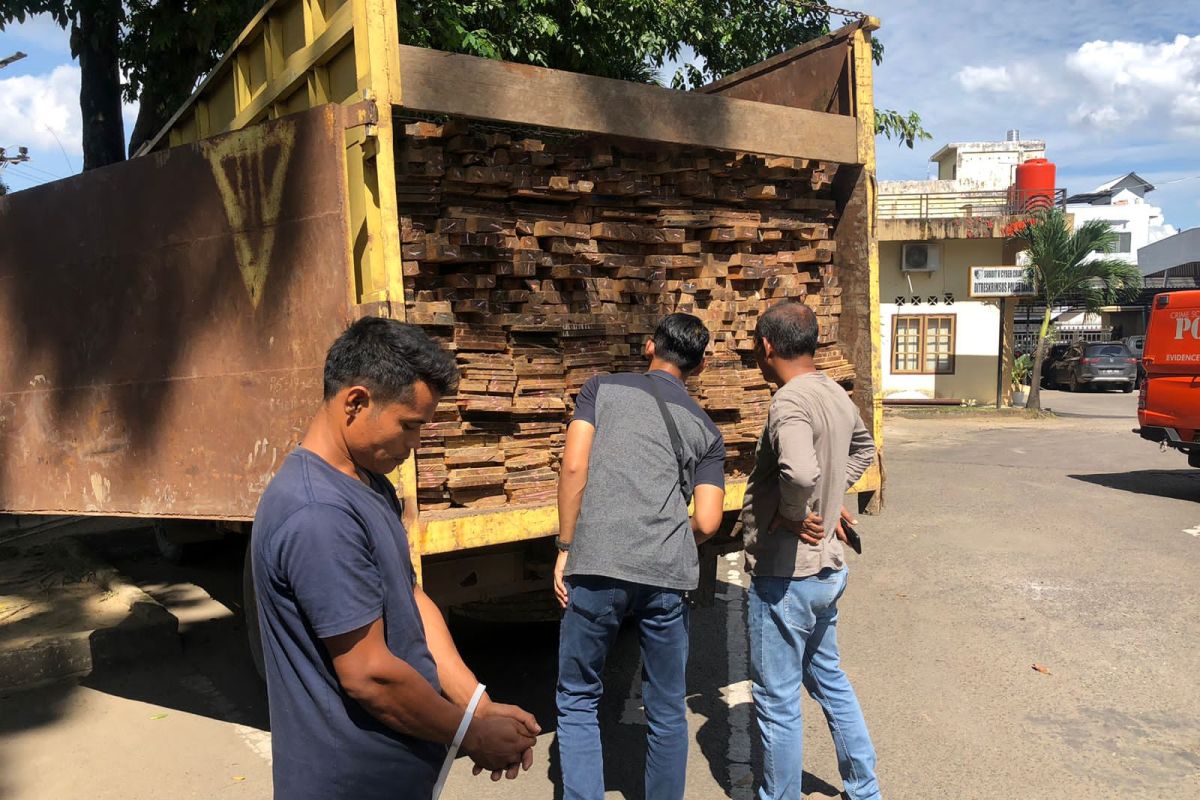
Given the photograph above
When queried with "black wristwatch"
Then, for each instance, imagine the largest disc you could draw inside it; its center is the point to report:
(561, 545)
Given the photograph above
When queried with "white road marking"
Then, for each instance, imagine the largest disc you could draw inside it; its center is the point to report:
(1039, 589)
(258, 741)
(1192, 531)
(737, 693)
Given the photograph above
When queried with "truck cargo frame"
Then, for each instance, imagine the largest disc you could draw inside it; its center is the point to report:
(141, 375)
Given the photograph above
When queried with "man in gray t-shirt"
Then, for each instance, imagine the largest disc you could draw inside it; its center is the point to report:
(628, 548)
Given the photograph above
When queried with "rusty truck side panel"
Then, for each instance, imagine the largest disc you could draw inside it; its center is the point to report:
(251, 327)
(210, 279)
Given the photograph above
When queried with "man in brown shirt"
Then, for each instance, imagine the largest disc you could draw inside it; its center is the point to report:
(813, 448)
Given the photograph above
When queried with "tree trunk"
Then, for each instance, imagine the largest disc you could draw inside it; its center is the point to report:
(150, 119)
(1035, 381)
(95, 40)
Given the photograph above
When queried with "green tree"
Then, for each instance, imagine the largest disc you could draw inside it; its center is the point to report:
(1072, 265)
(164, 47)
(633, 39)
(95, 27)
(168, 46)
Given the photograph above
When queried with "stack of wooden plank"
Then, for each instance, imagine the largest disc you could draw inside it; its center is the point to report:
(544, 259)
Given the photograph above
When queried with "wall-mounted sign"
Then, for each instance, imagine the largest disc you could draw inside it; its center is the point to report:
(1001, 282)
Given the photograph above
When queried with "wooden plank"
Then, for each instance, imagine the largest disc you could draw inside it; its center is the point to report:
(530, 323)
(444, 83)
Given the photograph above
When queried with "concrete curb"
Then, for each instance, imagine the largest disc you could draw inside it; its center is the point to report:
(148, 631)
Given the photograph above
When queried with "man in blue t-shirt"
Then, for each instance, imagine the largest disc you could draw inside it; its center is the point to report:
(637, 450)
(365, 685)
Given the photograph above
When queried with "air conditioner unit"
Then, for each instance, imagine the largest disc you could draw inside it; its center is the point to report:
(921, 257)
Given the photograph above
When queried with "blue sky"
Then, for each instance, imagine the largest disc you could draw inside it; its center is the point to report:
(1111, 86)
(39, 103)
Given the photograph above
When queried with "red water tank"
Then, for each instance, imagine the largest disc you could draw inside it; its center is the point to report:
(1034, 187)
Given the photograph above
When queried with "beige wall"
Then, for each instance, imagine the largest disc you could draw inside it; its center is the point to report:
(977, 322)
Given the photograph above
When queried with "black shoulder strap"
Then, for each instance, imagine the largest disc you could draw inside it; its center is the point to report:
(673, 432)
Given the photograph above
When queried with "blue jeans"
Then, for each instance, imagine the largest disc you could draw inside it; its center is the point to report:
(793, 641)
(595, 608)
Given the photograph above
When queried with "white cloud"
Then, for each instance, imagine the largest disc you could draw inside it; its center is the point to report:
(927, 48)
(1108, 85)
(41, 112)
(36, 108)
(1132, 82)
(995, 79)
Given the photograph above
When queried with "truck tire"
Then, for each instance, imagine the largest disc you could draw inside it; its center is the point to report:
(250, 613)
(175, 552)
(183, 541)
(1127, 388)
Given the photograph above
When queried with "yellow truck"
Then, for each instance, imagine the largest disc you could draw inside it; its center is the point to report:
(163, 322)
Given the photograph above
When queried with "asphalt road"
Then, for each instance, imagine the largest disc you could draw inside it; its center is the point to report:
(1065, 542)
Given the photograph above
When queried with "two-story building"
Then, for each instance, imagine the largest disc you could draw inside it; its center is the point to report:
(940, 344)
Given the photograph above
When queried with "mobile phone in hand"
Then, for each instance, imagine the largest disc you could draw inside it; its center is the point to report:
(852, 537)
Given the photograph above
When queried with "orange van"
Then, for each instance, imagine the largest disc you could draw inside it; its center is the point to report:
(1169, 405)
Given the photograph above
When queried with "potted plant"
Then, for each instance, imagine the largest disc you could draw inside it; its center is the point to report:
(1021, 372)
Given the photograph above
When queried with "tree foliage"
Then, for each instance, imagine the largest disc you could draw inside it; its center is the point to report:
(95, 27)
(166, 46)
(633, 40)
(1073, 265)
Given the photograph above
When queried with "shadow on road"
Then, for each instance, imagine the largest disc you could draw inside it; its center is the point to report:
(1179, 484)
(519, 665)
(213, 675)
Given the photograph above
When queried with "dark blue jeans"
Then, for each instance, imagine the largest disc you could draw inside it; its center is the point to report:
(595, 609)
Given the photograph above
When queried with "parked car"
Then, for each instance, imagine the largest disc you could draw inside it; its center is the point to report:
(1107, 365)
(1055, 352)
(1167, 409)
(1137, 345)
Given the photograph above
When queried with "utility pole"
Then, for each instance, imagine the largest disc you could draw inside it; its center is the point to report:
(5, 159)
(22, 152)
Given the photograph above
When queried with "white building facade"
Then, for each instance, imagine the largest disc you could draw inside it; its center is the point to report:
(1122, 203)
(986, 165)
(939, 343)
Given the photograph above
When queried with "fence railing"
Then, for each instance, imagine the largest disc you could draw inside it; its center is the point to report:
(950, 205)
(1026, 340)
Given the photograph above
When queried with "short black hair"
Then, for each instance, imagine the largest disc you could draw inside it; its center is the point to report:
(791, 327)
(681, 339)
(388, 357)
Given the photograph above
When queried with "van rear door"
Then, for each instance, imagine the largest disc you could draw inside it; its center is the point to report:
(1171, 394)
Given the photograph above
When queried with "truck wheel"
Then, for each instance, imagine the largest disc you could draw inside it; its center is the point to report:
(250, 612)
(183, 541)
(175, 552)
(1127, 388)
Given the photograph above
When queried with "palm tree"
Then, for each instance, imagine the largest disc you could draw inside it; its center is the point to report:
(1063, 264)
